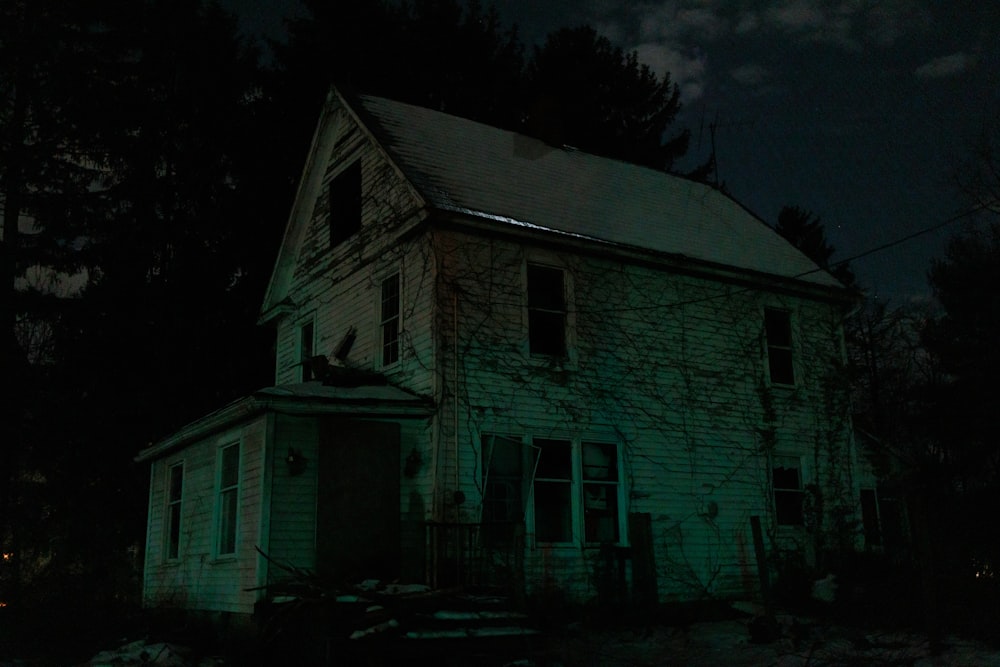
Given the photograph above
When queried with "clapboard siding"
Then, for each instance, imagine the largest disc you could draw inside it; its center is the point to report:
(293, 497)
(199, 578)
(675, 366)
(339, 288)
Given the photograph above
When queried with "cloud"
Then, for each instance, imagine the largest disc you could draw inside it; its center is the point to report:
(686, 70)
(747, 22)
(946, 66)
(750, 74)
(796, 16)
(672, 21)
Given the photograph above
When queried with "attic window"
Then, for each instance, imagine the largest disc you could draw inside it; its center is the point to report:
(345, 203)
(546, 311)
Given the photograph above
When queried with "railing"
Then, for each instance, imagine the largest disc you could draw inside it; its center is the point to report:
(487, 556)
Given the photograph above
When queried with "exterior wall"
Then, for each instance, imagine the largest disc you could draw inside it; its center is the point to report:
(199, 578)
(292, 524)
(293, 538)
(674, 369)
(339, 288)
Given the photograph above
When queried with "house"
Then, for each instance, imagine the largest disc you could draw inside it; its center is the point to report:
(500, 361)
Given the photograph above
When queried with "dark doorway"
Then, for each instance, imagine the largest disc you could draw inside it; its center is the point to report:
(357, 514)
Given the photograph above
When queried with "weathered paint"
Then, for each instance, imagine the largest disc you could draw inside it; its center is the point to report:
(201, 578)
(666, 360)
(674, 368)
(669, 365)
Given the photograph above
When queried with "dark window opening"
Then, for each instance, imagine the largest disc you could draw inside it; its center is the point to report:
(345, 204)
(546, 311)
(869, 519)
(228, 498)
(600, 492)
(786, 481)
(390, 320)
(306, 332)
(778, 329)
(553, 491)
(174, 495)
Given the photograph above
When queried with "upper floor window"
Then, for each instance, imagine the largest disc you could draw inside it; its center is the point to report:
(778, 331)
(345, 203)
(389, 320)
(175, 491)
(546, 310)
(306, 342)
(229, 491)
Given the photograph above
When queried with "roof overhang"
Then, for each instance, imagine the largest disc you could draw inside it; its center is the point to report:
(480, 222)
(308, 398)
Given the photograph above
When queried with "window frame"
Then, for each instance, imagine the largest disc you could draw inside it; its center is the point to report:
(395, 320)
(173, 514)
(787, 491)
(225, 522)
(541, 307)
(780, 351)
(534, 473)
(345, 202)
(304, 367)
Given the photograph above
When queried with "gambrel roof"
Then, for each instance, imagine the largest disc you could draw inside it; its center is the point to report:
(463, 167)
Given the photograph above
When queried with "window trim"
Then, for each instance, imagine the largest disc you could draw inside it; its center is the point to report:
(569, 355)
(776, 490)
(304, 370)
(771, 348)
(352, 169)
(577, 482)
(220, 495)
(169, 547)
(382, 321)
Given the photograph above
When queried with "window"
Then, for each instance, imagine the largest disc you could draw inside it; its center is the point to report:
(175, 490)
(504, 485)
(229, 476)
(786, 482)
(306, 339)
(778, 330)
(554, 491)
(600, 492)
(345, 203)
(389, 320)
(546, 311)
(568, 490)
(870, 520)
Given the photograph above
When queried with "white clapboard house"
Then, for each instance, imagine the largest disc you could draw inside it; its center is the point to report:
(506, 363)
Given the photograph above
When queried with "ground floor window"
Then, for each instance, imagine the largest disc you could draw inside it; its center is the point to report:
(786, 484)
(229, 493)
(175, 490)
(567, 491)
(869, 519)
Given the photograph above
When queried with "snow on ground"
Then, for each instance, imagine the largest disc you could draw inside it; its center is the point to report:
(728, 642)
(803, 642)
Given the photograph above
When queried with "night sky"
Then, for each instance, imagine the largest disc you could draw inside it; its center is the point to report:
(861, 112)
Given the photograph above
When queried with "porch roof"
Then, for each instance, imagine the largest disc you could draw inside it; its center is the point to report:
(306, 398)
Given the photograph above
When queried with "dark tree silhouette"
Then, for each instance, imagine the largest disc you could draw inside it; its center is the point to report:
(577, 89)
(585, 92)
(964, 340)
(805, 231)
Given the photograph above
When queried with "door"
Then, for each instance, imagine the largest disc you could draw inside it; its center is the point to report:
(358, 504)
